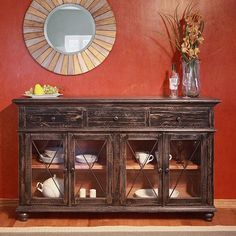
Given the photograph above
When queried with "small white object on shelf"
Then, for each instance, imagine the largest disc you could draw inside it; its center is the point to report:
(82, 193)
(92, 193)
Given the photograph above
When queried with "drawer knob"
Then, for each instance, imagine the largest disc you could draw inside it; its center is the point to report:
(178, 119)
(53, 118)
(116, 118)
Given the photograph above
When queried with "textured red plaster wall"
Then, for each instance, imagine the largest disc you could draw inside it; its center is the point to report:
(137, 66)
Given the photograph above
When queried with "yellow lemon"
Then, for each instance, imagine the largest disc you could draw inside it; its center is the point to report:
(38, 89)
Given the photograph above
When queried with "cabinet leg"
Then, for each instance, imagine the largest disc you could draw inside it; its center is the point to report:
(23, 216)
(209, 216)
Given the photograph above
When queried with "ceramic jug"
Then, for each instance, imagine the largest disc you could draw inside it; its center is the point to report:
(52, 187)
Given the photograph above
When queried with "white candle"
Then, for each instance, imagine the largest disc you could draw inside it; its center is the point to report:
(82, 193)
(92, 193)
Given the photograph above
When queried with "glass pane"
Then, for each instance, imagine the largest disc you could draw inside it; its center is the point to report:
(142, 163)
(185, 169)
(90, 168)
(47, 169)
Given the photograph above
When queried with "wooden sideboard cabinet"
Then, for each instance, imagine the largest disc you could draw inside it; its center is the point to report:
(116, 155)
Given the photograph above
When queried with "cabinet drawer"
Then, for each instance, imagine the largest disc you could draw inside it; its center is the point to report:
(179, 117)
(53, 117)
(117, 117)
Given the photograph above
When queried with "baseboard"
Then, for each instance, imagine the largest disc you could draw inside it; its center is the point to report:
(219, 203)
(8, 202)
(225, 203)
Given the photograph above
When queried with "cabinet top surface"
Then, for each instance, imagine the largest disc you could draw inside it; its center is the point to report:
(107, 100)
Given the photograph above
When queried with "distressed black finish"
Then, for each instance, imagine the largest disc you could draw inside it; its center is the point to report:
(116, 121)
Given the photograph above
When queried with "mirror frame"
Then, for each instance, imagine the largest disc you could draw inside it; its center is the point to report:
(79, 62)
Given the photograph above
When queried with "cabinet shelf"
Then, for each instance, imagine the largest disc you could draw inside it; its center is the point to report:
(132, 165)
(173, 165)
(39, 165)
(188, 165)
(96, 166)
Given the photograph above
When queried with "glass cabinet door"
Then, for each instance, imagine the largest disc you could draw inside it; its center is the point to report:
(142, 164)
(46, 180)
(184, 173)
(91, 162)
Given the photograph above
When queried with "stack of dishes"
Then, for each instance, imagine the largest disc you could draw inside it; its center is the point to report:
(86, 158)
(53, 155)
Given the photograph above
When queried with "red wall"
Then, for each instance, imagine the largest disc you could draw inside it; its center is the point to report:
(136, 66)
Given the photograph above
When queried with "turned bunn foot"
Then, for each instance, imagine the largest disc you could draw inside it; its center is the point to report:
(209, 216)
(23, 216)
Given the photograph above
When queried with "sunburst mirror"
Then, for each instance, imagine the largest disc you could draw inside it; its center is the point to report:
(69, 37)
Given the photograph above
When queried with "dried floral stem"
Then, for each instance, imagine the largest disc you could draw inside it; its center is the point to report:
(186, 31)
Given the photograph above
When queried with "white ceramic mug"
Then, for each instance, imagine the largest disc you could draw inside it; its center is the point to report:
(143, 157)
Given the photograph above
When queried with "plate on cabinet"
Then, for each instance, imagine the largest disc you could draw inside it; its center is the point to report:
(149, 193)
(44, 96)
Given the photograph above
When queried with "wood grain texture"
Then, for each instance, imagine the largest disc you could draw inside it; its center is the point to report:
(32, 17)
(33, 24)
(48, 60)
(33, 35)
(87, 60)
(54, 61)
(44, 4)
(44, 55)
(37, 12)
(77, 66)
(98, 51)
(76, 63)
(35, 47)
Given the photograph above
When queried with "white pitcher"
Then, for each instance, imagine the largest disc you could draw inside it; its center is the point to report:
(52, 187)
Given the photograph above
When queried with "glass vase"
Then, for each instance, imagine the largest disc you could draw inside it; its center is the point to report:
(191, 78)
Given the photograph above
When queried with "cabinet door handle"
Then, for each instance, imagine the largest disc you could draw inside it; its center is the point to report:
(116, 118)
(72, 169)
(160, 170)
(167, 170)
(65, 170)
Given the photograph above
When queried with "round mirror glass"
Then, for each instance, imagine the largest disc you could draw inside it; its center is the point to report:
(69, 28)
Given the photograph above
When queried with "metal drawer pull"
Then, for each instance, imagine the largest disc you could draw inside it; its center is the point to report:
(53, 118)
(160, 170)
(167, 170)
(78, 117)
(178, 119)
(116, 118)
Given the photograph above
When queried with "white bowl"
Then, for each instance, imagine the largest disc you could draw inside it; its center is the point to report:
(86, 158)
(55, 160)
(54, 151)
(149, 193)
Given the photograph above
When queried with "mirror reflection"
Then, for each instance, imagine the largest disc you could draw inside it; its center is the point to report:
(69, 28)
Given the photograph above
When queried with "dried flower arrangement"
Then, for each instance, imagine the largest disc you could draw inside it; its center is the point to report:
(186, 30)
